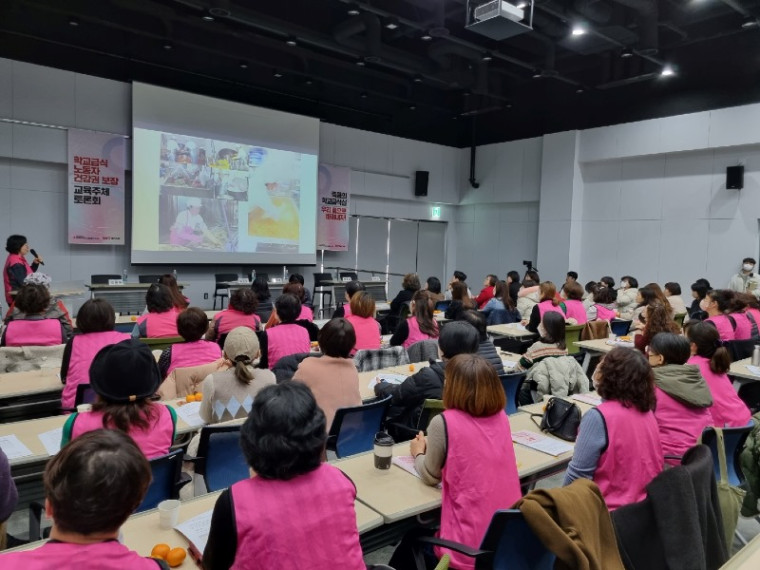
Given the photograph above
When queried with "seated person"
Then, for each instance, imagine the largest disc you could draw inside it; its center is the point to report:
(178, 299)
(433, 286)
(548, 300)
(294, 499)
(192, 324)
(458, 277)
(626, 297)
(603, 307)
(332, 377)
(91, 487)
(286, 337)
(501, 301)
(125, 376)
(161, 319)
(576, 312)
(527, 298)
(459, 337)
(550, 343)
(344, 310)
(420, 325)
(487, 292)
(409, 286)
(672, 291)
(240, 313)
(31, 327)
(460, 301)
(306, 314)
(362, 318)
(264, 306)
(307, 297)
(56, 309)
(95, 321)
(8, 495)
(486, 348)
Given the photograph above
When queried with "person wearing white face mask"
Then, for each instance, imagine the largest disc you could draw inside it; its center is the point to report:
(746, 281)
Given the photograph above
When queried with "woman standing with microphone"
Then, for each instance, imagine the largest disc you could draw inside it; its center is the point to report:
(16, 267)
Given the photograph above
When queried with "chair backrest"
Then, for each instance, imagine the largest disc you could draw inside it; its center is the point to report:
(355, 428)
(430, 409)
(514, 545)
(166, 470)
(678, 318)
(620, 327)
(423, 350)
(85, 395)
(733, 438)
(442, 305)
(377, 358)
(573, 335)
(102, 279)
(320, 280)
(160, 343)
(352, 274)
(220, 458)
(148, 278)
(499, 317)
(511, 384)
(740, 349)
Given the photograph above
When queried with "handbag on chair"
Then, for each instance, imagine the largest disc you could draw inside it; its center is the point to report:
(561, 419)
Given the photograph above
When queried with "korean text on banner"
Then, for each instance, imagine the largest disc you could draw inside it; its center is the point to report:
(332, 214)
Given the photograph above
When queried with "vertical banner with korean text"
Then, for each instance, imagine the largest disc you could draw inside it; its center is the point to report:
(332, 213)
(96, 188)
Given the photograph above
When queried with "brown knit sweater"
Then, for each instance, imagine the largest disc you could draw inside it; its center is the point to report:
(334, 382)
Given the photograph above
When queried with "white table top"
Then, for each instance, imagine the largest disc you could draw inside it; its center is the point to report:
(748, 558)
(512, 330)
(13, 384)
(739, 370)
(602, 345)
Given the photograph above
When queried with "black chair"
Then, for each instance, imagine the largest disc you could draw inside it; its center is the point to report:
(168, 479)
(740, 349)
(734, 438)
(324, 291)
(442, 305)
(353, 429)
(352, 274)
(220, 459)
(749, 393)
(103, 278)
(148, 278)
(221, 290)
(619, 327)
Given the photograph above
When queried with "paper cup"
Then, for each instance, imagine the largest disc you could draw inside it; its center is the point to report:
(82, 408)
(168, 513)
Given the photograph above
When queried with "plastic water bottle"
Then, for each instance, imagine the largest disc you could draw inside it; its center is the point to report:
(284, 273)
(124, 276)
(253, 275)
(756, 355)
(174, 272)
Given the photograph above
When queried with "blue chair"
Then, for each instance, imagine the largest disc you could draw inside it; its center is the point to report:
(168, 479)
(501, 317)
(442, 305)
(353, 429)
(220, 459)
(509, 544)
(512, 384)
(733, 438)
(620, 327)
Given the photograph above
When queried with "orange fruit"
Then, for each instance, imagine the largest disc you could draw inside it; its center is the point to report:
(198, 397)
(190, 398)
(411, 367)
(160, 551)
(176, 556)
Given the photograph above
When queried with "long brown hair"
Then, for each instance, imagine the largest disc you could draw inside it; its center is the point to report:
(548, 292)
(178, 299)
(459, 293)
(659, 320)
(423, 312)
(501, 292)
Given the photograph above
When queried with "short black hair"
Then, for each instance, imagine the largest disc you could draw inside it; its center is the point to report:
(14, 243)
(608, 281)
(700, 288)
(745, 260)
(434, 285)
(337, 338)
(673, 288)
(243, 300)
(285, 433)
(573, 275)
(632, 281)
(514, 276)
(261, 288)
(353, 287)
(674, 348)
(32, 299)
(192, 324)
(476, 319)
(158, 298)
(96, 315)
(296, 278)
(458, 337)
(288, 307)
(460, 276)
(704, 282)
(590, 286)
(605, 295)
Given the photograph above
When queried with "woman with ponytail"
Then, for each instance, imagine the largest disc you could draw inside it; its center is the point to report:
(713, 360)
(229, 394)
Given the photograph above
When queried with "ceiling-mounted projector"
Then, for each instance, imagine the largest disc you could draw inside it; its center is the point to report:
(498, 8)
(498, 19)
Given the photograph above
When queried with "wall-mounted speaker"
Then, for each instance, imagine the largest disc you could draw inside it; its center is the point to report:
(735, 177)
(421, 182)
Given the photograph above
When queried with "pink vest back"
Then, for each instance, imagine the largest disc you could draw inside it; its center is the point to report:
(322, 501)
(186, 354)
(415, 334)
(12, 259)
(84, 347)
(153, 442)
(109, 555)
(727, 410)
(231, 319)
(603, 313)
(680, 425)
(41, 332)
(724, 326)
(346, 310)
(545, 306)
(754, 314)
(306, 314)
(743, 329)
(479, 477)
(284, 340)
(633, 456)
(576, 310)
(367, 332)
(161, 324)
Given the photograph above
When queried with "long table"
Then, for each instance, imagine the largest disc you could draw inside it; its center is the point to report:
(125, 298)
(511, 330)
(598, 347)
(741, 374)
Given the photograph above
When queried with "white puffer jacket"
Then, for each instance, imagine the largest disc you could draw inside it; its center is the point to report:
(525, 305)
(626, 302)
(558, 376)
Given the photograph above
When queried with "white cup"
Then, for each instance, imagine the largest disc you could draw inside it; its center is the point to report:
(168, 513)
(82, 408)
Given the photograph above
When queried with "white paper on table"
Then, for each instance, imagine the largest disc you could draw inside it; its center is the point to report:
(519, 326)
(508, 364)
(196, 530)
(52, 440)
(406, 462)
(388, 377)
(594, 400)
(754, 370)
(13, 448)
(541, 443)
(190, 413)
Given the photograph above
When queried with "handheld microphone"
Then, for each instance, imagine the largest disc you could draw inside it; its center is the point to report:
(34, 253)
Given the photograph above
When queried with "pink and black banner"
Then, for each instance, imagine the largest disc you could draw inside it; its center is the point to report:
(333, 191)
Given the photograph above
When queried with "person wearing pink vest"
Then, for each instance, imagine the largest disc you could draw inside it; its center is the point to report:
(296, 512)
(95, 321)
(344, 310)
(713, 360)
(547, 301)
(420, 326)
(161, 319)
(716, 304)
(743, 330)
(92, 486)
(683, 397)
(240, 313)
(603, 306)
(362, 318)
(574, 308)
(749, 305)
(286, 338)
(469, 451)
(16, 267)
(618, 444)
(31, 327)
(125, 376)
(192, 324)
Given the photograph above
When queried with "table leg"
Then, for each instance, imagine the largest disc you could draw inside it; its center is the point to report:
(586, 362)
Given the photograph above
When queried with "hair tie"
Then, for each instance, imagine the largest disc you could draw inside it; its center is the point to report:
(719, 343)
(244, 358)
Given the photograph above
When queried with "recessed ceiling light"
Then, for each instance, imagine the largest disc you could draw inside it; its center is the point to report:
(486, 56)
(363, 95)
(412, 107)
(750, 23)
(392, 23)
(361, 62)
(167, 46)
(626, 53)
(207, 18)
(537, 74)
(277, 73)
(292, 41)
(426, 37)
(418, 78)
(578, 30)
(580, 90)
(667, 71)
(309, 81)
(522, 5)
(243, 64)
(73, 21)
(353, 10)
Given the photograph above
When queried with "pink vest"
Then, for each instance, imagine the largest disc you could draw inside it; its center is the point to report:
(479, 477)
(727, 410)
(576, 310)
(284, 340)
(12, 259)
(109, 555)
(604, 314)
(153, 442)
(547, 306)
(680, 425)
(39, 332)
(367, 332)
(346, 311)
(231, 319)
(724, 326)
(186, 354)
(415, 334)
(743, 326)
(275, 520)
(306, 314)
(84, 347)
(160, 324)
(633, 456)
(754, 314)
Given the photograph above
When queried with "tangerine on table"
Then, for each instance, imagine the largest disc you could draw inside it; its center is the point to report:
(198, 397)
(160, 551)
(190, 398)
(176, 556)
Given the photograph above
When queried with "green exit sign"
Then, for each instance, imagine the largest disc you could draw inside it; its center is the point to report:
(435, 212)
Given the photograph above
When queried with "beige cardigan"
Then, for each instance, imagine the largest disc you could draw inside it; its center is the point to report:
(334, 382)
